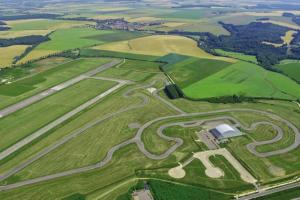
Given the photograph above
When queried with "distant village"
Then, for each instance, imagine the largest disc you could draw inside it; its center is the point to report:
(122, 24)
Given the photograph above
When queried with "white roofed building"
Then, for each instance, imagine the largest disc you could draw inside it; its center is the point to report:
(224, 131)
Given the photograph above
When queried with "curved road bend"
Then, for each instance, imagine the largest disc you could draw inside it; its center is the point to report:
(137, 139)
(57, 122)
(75, 133)
(22, 104)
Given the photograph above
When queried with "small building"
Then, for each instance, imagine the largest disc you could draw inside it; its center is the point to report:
(224, 131)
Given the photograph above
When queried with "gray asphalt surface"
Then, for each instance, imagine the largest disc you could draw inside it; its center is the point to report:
(22, 104)
(68, 115)
(137, 139)
(81, 130)
(271, 191)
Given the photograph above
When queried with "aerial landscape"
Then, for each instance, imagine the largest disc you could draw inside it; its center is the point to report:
(149, 99)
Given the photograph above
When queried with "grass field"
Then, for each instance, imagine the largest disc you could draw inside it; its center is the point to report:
(43, 24)
(26, 87)
(98, 139)
(159, 45)
(33, 117)
(291, 69)
(172, 191)
(239, 56)
(7, 54)
(65, 39)
(244, 79)
(192, 70)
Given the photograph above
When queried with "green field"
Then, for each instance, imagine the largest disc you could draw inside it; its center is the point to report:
(65, 39)
(172, 191)
(33, 117)
(244, 79)
(240, 56)
(37, 82)
(291, 69)
(192, 70)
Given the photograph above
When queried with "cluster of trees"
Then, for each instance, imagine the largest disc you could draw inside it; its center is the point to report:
(173, 91)
(3, 26)
(29, 16)
(250, 39)
(26, 40)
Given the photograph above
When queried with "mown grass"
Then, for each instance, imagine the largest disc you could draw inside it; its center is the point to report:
(291, 69)
(244, 79)
(192, 70)
(114, 54)
(240, 56)
(172, 191)
(33, 117)
(45, 79)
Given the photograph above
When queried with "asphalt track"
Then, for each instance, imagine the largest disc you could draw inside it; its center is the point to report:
(138, 141)
(22, 104)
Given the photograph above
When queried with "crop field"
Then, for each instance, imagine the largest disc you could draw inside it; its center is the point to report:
(26, 87)
(192, 70)
(291, 69)
(55, 106)
(65, 39)
(22, 33)
(239, 79)
(43, 24)
(159, 45)
(104, 123)
(7, 54)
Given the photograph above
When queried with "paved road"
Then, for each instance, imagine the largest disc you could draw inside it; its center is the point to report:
(270, 191)
(137, 140)
(82, 130)
(22, 104)
(57, 122)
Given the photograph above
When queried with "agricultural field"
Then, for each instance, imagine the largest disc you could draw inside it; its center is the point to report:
(8, 54)
(159, 45)
(28, 86)
(291, 68)
(178, 100)
(65, 39)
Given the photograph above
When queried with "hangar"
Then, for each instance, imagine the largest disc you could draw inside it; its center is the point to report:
(224, 131)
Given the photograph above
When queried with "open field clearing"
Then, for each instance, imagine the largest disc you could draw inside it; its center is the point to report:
(285, 24)
(55, 106)
(27, 87)
(133, 70)
(21, 33)
(289, 36)
(239, 56)
(291, 69)
(204, 26)
(99, 138)
(72, 38)
(239, 79)
(192, 70)
(43, 24)
(159, 45)
(7, 54)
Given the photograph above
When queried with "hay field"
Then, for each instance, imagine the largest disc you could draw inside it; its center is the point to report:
(14, 34)
(160, 45)
(7, 54)
(43, 24)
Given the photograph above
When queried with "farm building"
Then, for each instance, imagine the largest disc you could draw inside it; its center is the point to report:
(224, 131)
